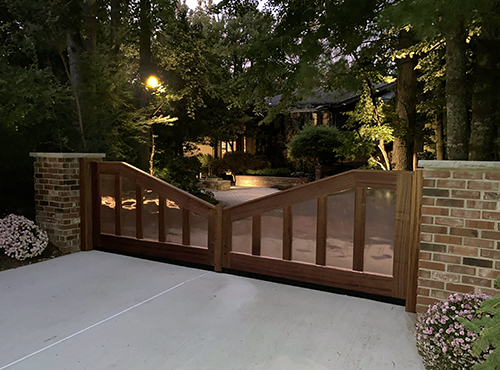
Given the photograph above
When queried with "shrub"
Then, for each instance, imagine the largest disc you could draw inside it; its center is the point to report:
(240, 162)
(316, 144)
(279, 172)
(442, 341)
(20, 238)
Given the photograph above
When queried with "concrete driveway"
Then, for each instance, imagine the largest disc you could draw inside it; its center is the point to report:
(94, 310)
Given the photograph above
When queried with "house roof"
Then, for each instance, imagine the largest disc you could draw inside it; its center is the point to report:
(320, 98)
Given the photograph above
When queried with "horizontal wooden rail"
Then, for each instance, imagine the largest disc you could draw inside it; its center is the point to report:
(160, 187)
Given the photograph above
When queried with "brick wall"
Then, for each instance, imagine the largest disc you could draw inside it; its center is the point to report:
(57, 197)
(460, 230)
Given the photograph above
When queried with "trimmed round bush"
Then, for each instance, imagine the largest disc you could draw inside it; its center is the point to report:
(20, 238)
(442, 341)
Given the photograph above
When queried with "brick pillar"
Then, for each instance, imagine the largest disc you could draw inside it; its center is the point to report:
(460, 230)
(57, 196)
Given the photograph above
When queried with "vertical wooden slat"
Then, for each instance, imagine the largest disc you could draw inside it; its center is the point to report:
(287, 232)
(227, 230)
(85, 204)
(138, 212)
(118, 205)
(256, 234)
(321, 231)
(218, 238)
(402, 231)
(411, 291)
(186, 230)
(162, 232)
(96, 201)
(359, 229)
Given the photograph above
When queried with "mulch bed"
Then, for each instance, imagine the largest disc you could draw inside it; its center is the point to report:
(7, 262)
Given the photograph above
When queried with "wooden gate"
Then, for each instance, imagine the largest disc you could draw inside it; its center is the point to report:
(357, 230)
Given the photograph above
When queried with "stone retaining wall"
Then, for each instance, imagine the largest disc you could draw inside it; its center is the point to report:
(460, 230)
(57, 197)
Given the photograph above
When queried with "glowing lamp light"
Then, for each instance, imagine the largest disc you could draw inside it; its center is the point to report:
(152, 82)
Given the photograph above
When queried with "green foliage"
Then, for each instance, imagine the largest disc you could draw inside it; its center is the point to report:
(279, 172)
(316, 144)
(488, 328)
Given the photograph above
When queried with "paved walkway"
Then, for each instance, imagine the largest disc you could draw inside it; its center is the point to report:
(94, 310)
(241, 194)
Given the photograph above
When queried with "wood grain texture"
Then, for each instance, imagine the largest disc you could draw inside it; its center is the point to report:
(287, 232)
(321, 223)
(139, 224)
(96, 206)
(415, 213)
(86, 243)
(256, 235)
(148, 248)
(162, 231)
(118, 205)
(186, 229)
(160, 187)
(359, 229)
(218, 238)
(227, 227)
(402, 229)
(322, 275)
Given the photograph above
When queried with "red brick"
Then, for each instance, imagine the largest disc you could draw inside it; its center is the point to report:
(441, 294)
(463, 251)
(464, 232)
(434, 229)
(454, 184)
(430, 174)
(445, 276)
(426, 301)
(497, 265)
(482, 185)
(446, 258)
(457, 203)
(445, 239)
(425, 256)
(458, 288)
(467, 175)
(465, 194)
(427, 220)
(490, 254)
(435, 211)
(429, 183)
(459, 269)
(431, 265)
(488, 273)
(477, 281)
(487, 215)
(423, 291)
(427, 201)
(479, 204)
(487, 291)
(480, 243)
(487, 225)
(446, 221)
(425, 237)
(492, 176)
(424, 274)
(495, 235)
(430, 283)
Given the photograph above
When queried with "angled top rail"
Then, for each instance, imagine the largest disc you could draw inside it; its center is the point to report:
(330, 185)
(180, 197)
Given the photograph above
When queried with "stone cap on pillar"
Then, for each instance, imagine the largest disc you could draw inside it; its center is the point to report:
(462, 165)
(67, 155)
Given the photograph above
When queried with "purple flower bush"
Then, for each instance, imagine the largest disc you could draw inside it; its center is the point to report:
(442, 341)
(20, 238)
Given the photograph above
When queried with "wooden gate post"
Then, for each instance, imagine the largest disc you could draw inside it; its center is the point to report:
(218, 237)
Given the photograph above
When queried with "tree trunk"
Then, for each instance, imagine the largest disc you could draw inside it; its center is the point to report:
(406, 93)
(89, 10)
(456, 93)
(484, 100)
(439, 133)
(143, 154)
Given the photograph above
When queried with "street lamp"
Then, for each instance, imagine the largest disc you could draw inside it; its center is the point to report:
(153, 82)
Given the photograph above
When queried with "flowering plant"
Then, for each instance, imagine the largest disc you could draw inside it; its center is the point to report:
(20, 238)
(442, 341)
